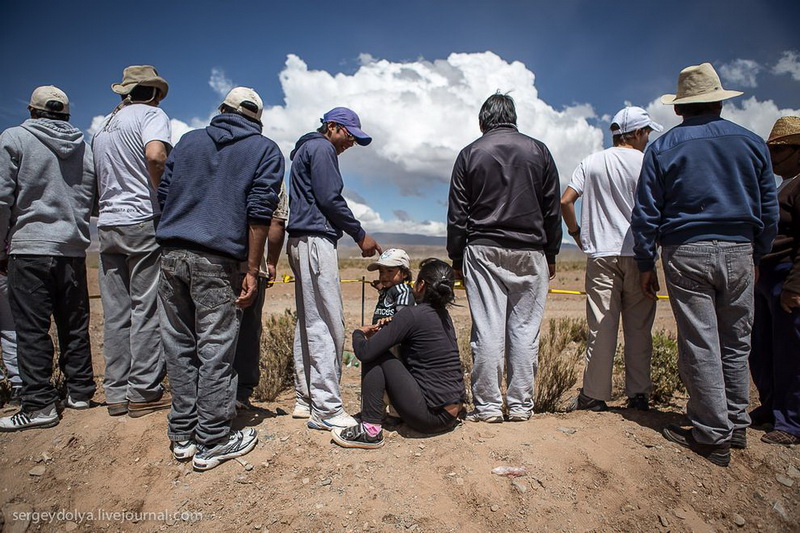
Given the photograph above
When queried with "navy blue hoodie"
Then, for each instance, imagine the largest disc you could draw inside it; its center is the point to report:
(217, 182)
(316, 204)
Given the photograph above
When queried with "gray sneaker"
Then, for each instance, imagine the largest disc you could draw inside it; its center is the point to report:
(72, 403)
(46, 417)
(239, 443)
(475, 416)
(184, 449)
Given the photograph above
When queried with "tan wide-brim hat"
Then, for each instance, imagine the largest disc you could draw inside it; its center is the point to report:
(699, 84)
(785, 131)
(145, 75)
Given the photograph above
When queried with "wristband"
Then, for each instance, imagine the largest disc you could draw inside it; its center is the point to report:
(574, 233)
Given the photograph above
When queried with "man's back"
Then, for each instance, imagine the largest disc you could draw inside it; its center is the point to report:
(126, 196)
(504, 191)
(607, 183)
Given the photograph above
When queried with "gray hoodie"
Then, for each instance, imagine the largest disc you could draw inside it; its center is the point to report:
(47, 189)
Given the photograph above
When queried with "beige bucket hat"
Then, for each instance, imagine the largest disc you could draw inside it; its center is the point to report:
(145, 75)
(698, 84)
(785, 131)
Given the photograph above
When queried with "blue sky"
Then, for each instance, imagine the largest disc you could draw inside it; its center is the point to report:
(416, 72)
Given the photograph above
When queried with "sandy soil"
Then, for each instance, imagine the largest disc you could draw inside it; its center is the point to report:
(584, 471)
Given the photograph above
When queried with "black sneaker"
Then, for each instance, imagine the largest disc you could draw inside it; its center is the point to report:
(739, 439)
(584, 403)
(639, 402)
(762, 419)
(357, 437)
(238, 444)
(719, 454)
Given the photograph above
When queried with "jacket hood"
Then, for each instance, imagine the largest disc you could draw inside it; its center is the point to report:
(226, 128)
(61, 137)
(304, 139)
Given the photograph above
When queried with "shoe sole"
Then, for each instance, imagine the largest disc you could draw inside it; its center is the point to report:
(133, 412)
(215, 461)
(354, 444)
(46, 425)
(512, 418)
(301, 416)
(322, 425)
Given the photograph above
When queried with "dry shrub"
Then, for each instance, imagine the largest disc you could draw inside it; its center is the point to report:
(465, 353)
(561, 350)
(663, 368)
(276, 362)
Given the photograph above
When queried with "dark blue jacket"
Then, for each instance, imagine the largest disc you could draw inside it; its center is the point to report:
(705, 179)
(217, 182)
(316, 205)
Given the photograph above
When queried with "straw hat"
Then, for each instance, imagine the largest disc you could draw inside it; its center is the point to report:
(145, 75)
(698, 84)
(785, 131)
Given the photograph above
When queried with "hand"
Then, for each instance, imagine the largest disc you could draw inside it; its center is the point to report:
(577, 239)
(249, 290)
(649, 283)
(551, 269)
(369, 247)
(383, 321)
(369, 330)
(271, 273)
(376, 284)
(789, 300)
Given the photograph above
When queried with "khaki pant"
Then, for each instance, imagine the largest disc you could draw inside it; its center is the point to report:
(613, 289)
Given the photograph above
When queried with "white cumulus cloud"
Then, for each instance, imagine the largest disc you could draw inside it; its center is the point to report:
(740, 72)
(789, 63)
(178, 127)
(374, 223)
(220, 82)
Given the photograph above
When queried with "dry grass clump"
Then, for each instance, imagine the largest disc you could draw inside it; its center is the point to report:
(561, 349)
(276, 362)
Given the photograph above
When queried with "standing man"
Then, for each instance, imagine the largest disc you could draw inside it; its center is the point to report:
(707, 196)
(504, 231)
(47, 191)
(129, 154)
(231, 169)
(319, 216)
(248, 347)
(607, 182)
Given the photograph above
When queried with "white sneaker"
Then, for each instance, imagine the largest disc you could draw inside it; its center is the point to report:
(76, 404)
(43, 418)
(184, 449)
(475, 416)
(238, 444)
(301, 411)
(342, 420)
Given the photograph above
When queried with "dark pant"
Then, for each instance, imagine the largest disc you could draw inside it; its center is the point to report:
(248, 348)
(389, 374)
(775, 358)
(41, 287)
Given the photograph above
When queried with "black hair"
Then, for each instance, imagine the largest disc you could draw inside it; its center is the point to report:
(53, 112)
(142, 93)
(497, 110)
(407, 277)
(439, 279)
(695, 110)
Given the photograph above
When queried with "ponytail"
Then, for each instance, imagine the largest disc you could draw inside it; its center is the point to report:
(439, 281)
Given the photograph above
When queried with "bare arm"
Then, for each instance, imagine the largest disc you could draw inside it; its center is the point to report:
(275, 237)
(155, 153)
(568, 200)
(257, 237)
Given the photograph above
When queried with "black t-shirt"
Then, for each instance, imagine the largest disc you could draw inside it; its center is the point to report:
(429, 348)
(391, 300)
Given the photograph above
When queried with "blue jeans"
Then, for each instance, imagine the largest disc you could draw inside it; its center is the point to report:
(200, 323)
(710, 286)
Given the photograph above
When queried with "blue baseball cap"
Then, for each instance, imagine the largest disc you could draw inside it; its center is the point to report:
(348, 118)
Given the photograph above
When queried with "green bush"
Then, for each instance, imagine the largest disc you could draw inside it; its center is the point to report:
(663, 368)
(276, 362)
(561, 351)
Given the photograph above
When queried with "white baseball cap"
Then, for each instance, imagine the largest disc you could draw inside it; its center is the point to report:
(393, 257)
(631, 119)
(49, 93)
(238, 95)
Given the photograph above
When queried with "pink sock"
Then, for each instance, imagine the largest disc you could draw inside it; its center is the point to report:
(372, 429)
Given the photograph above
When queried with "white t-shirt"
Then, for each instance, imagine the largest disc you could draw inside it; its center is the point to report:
(126, 195)
(607, 182)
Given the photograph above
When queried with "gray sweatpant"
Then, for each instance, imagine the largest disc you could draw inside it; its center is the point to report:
(319, 334)
(506, 290)
(135, 366)
(8, 336)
